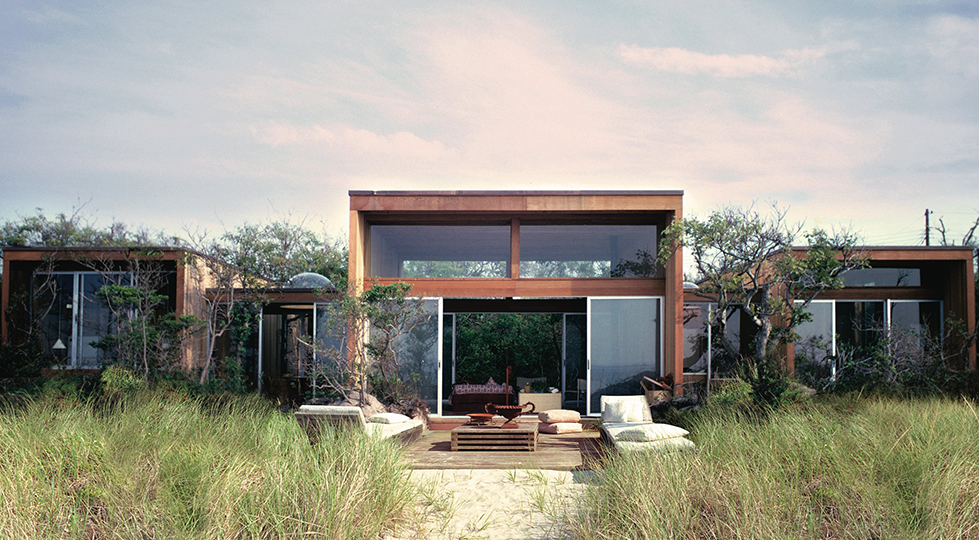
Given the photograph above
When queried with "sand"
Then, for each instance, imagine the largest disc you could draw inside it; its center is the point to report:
(498, 504)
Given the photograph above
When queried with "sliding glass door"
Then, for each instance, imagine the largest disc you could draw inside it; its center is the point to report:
(420, 355)
(74, 315)
(625, 343)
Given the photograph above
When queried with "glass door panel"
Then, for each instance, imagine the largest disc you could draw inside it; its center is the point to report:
(95, 320)
(420, 355)
(448, 375)
(816, 343)
(624, 344)
(575, 361)
(54, 308)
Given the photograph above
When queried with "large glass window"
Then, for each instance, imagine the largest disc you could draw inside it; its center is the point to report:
(859, 324)
(923, 317)
(54, 307)
(815, 341)
(419, 356)
(588, 251)
(695, 337)
(882, 277)
(625, 344)
(439, 251)
(816, 344)
(914, 324)
(73, 317)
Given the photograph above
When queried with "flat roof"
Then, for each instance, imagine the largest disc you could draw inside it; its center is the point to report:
(509, 193)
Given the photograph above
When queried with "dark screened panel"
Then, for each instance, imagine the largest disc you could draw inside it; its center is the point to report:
(882, 277)
(588, 251)
(439, 250)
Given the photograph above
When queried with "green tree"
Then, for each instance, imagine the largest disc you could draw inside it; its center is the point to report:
(486, 343)
(746, 263)
(366, 355)
(283, 248)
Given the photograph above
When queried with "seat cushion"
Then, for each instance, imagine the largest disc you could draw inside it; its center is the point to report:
(676, 444)
(555, 416)
(392, 430)
(644, 432)
(388, 418)
(560, 427)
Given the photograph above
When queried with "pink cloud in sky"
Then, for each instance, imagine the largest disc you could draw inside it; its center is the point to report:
(349, 139)
(677, 60)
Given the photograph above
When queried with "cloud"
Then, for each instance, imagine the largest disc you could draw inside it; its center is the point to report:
(955, 43)
(677, 60)
(349, 139)
(50, 15)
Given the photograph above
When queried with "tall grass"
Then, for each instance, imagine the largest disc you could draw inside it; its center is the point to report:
(153, 466)
(843, 468)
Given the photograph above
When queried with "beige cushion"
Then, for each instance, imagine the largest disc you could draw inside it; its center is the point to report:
(390, 430)
(676, 444)
(556, 416)
(646, 432)
(619, 412)
(560, 427)
(388, 418)
(335, 414)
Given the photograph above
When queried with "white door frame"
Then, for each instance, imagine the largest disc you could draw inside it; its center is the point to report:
(591, 342)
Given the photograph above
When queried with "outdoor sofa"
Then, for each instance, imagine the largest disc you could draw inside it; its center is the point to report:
(627, 426)
(312, 417)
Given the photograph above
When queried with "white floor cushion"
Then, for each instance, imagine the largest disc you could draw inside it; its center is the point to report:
(675, 444)
(560, 427)
(644, 432)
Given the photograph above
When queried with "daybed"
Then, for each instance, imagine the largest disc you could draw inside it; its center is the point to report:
(627, 425)
(311, 417)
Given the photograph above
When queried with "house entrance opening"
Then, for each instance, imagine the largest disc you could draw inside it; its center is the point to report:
(543, 340)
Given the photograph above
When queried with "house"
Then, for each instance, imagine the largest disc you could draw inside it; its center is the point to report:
(50, 296)
(917, 290)
(585, 259)
(588, 257)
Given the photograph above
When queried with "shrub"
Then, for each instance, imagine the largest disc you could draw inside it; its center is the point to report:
(25, 360)
(117, 380)
(768, 384)
(730, 394)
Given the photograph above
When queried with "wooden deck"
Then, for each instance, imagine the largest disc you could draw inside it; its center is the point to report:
(566, 452)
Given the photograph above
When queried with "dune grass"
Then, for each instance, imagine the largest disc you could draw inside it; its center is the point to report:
(157, 466)
(833, 468)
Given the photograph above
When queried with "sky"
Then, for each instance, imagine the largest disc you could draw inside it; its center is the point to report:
(206, 115)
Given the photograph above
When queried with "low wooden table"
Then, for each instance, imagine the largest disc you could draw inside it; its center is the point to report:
(467, 437)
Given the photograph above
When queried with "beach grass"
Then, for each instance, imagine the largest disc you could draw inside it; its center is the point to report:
(836, 467)
(153, 465)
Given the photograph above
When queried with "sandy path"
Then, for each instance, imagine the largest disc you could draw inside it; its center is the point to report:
(499, 504)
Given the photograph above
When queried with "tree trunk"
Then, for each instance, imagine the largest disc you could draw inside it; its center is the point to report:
(764, 323)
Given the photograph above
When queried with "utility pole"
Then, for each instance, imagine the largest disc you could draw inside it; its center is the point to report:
(927, 229)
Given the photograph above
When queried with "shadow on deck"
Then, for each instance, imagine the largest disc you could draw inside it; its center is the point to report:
(566, 452)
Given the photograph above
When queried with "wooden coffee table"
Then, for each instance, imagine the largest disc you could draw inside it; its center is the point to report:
(492, 437)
